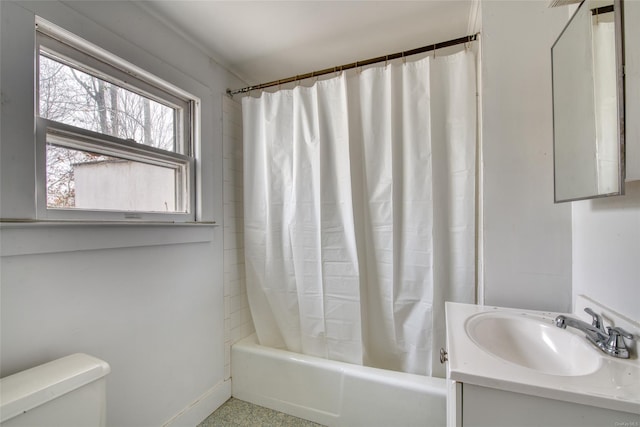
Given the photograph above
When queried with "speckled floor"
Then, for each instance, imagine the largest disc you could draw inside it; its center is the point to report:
(238, 413)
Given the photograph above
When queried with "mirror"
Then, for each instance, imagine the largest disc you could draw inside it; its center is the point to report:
(588, 104)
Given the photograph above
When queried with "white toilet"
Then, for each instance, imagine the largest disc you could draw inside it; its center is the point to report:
(67, 392)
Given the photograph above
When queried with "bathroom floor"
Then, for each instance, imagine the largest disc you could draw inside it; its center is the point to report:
(238, 413)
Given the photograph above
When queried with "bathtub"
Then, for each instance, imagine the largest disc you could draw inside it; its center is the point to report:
(334, 393)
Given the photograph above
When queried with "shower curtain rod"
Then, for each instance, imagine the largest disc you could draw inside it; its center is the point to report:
(429, 48)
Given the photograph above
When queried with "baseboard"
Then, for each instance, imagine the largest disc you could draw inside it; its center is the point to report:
(202, 407)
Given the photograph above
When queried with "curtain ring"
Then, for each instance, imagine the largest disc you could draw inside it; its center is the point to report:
(404, 58)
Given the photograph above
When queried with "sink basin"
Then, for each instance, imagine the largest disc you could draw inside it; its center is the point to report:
(533, 343)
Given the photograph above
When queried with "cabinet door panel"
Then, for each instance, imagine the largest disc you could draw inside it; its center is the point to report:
(487, 407)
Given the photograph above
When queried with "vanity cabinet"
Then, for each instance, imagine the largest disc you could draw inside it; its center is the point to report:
(477, 406)
(515, 367)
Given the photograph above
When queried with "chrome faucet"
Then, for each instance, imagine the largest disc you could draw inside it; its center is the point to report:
(610, 342)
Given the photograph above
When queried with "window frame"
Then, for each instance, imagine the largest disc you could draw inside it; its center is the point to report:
(79, 53)
(81, 139)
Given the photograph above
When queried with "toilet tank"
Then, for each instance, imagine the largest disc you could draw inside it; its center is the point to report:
(66, 392)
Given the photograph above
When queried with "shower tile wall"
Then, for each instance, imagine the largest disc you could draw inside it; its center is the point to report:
(238, 323)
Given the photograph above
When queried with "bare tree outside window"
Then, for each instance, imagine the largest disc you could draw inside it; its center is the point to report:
(74, 97)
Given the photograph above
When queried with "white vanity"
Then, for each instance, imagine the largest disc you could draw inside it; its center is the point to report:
(512, 367)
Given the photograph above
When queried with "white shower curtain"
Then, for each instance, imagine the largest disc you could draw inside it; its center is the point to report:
(359, 211)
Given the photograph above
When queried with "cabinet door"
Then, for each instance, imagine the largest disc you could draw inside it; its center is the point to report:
(487, 407)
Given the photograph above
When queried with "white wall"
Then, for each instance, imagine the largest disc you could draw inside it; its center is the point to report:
(153, 311)
(606, 251)
(527, 239)
(606, 232)
(147, 299)
(540, 255)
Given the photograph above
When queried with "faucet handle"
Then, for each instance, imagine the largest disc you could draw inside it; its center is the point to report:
(615, 344)
(596, 319)
(614, 330)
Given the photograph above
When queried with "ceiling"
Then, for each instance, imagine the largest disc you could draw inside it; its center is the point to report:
(261, 41)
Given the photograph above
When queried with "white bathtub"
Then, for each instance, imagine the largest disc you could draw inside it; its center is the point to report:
(334, 393)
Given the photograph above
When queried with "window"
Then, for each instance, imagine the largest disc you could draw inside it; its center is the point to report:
(113, 141)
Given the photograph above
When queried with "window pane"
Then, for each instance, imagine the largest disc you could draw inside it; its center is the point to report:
(84, 180)
(68, 95)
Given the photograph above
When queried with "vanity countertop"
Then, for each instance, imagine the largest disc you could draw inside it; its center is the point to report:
(608, 382)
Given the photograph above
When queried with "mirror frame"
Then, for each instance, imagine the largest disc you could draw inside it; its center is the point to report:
(620, 88)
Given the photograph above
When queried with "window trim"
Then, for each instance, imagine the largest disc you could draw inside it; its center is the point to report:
(61, 44)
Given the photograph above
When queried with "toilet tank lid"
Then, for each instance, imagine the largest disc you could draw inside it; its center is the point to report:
(31, 388)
